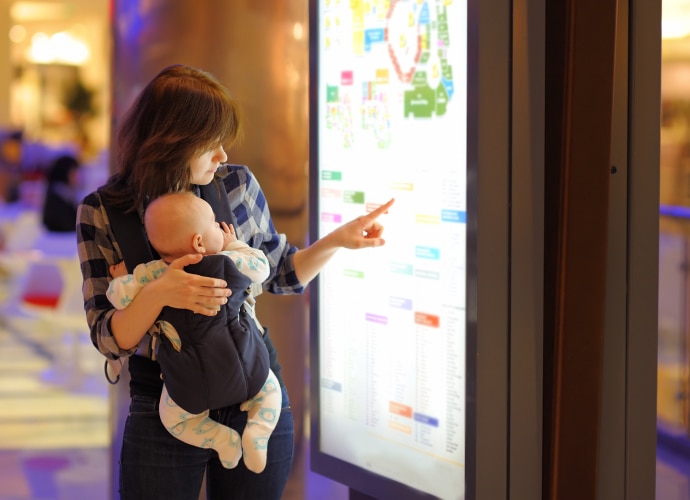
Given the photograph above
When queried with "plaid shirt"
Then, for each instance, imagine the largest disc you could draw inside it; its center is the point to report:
(98, 250)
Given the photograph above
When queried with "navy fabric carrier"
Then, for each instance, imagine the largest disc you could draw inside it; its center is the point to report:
(224, 358)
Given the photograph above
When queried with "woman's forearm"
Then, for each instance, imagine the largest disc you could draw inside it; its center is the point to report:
(363, 232)
(129, 325)
(309, 261)
(175, 288)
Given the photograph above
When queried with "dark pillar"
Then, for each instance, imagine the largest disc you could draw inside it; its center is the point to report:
(581, 38)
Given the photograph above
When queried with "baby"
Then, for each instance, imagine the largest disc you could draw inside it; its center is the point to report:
(207, 362)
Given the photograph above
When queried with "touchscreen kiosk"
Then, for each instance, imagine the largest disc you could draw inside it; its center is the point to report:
(388, 107)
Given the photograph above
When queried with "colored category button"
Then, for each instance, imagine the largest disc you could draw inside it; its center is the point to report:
(370, 207)
(376, 318)
(375, 35)
(425, 419)
(332, 92)
(397, 426)
(426, 319)
(401, 268)
(328, 217)
(400, 303)
(430, 253)
(331, 193)
(346, 77)
(331, 385)
(400, 409)
(454, 216)
(353, 197)
(331, 175)
(353, 273)
(427, 274)
(382, 76)
(402, 186)
(427, 219)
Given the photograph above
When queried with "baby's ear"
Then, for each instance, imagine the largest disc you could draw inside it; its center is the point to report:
(198, 244)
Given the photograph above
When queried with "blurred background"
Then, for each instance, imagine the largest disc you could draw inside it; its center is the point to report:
(69, 70)
(56, 92)
(673, 375)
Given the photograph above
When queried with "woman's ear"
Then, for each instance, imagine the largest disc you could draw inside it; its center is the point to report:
(198, 243)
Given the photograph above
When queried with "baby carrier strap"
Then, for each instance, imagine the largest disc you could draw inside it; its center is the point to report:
(131, 236)
(216, 196)
(135, 246)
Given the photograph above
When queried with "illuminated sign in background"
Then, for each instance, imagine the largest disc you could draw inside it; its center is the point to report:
(391, 320)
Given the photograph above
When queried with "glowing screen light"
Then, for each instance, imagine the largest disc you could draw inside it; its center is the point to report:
(392, 118)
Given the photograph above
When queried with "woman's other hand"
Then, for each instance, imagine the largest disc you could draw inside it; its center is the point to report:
(182, 290)
(175, 288)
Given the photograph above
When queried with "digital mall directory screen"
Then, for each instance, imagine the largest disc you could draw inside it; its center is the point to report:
(392, 124)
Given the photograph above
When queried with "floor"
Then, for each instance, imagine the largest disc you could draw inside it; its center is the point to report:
(54, 429)
(56, 407)
(672, 475)
(54, 423)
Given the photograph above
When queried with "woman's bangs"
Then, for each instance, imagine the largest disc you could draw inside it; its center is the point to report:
(227, 122)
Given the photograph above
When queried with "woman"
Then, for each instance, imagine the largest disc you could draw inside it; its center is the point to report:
(173, 139)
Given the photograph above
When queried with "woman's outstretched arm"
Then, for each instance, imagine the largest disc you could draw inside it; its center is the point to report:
(363, 232)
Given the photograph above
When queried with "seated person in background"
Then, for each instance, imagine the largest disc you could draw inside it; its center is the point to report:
(60, 204)
(203, 365)
(11, 148)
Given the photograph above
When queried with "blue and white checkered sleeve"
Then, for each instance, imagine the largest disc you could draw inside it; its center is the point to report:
(96, 253)
(255, 226)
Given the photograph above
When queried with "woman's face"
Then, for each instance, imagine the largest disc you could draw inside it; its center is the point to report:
(205, 165)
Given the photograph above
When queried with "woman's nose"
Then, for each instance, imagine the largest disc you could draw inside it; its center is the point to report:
(221, 155)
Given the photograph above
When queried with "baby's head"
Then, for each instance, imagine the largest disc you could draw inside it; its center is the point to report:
(178, 224)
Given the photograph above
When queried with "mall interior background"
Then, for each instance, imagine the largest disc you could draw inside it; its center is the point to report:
(61, 98)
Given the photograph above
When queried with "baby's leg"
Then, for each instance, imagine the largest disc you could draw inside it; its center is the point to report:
(264, 411)
(199, 430)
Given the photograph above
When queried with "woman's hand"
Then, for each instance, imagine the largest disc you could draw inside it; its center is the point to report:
(175, 288)
(182, 290)
(363, 232)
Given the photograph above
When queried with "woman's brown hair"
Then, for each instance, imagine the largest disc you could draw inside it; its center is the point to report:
(180, 114)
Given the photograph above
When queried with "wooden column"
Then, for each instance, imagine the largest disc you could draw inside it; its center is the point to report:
(579, 102)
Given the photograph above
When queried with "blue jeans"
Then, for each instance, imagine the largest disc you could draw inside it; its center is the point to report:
(156, 466)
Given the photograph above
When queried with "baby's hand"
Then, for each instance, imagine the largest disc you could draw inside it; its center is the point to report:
(228, 234)
(117, 270)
